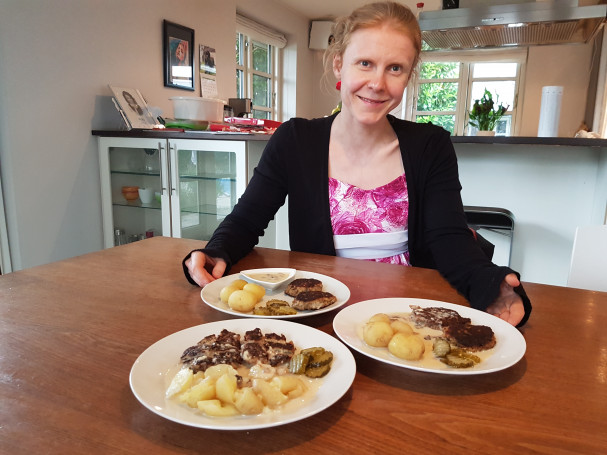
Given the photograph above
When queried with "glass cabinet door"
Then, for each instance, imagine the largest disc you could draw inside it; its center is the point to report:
(207, 178)
(130, 165)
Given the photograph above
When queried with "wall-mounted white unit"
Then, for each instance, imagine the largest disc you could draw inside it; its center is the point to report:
(320, 33)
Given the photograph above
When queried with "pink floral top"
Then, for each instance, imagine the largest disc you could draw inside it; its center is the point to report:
(358, 211)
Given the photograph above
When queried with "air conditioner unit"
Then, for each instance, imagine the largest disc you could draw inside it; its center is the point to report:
(320, 34)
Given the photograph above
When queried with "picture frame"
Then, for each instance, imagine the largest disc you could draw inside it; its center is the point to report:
(178, 50)
(133, 108)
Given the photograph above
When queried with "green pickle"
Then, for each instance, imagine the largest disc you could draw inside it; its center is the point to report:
(313, 362)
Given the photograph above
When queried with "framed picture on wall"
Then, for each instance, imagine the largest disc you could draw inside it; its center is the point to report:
(178, 48)
(133, 108)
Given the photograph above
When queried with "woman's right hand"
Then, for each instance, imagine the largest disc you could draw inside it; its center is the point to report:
(204, 269)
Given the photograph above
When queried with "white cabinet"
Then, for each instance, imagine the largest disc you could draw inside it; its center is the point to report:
(196, 184)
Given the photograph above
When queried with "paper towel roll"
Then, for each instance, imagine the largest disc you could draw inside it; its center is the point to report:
(550, 111)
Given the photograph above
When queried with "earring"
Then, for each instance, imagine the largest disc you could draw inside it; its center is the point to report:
(338, 85)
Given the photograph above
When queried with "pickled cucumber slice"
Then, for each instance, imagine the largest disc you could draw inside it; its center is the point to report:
(298, 363)
(318, 372)
(320, 359)
(441, 347)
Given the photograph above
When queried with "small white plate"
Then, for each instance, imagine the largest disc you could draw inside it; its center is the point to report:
(149, 376)
(508, 350)
(249, 274)
(210, 295)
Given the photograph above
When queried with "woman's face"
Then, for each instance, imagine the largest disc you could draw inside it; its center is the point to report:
(374, 71)
(181, 51)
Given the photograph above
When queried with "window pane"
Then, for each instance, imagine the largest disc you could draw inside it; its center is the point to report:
(437, 96)
(239, 84)
(239, 49)
(502, 92)
(446, 121)
(261, 91)
(261, 57)
(494, 70)
(439, 70)
(260, 114)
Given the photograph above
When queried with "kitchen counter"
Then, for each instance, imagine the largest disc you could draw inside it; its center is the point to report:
(518, 140)
(552, 185)
(172, 134)
(528, 140)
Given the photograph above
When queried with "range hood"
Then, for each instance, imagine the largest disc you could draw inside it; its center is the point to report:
(522, 24)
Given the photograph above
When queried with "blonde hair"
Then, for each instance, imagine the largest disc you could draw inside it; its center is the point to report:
(372, 15)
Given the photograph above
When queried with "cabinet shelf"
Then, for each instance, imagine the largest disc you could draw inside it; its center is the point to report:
(140, 172)
(138, 205)
(207, 209)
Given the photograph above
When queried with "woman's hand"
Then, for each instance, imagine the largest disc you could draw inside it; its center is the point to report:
(508, 305)
(204, 269)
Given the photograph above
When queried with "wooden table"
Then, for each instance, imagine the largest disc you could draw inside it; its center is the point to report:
(71, 331)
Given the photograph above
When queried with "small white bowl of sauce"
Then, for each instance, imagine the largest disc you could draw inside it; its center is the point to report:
(268, 278)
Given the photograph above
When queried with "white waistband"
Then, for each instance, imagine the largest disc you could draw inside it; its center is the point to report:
(375, 245)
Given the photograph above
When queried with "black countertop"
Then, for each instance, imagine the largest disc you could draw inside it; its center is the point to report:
(506, 140)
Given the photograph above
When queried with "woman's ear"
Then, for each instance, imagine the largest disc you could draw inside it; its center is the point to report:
(337, 66)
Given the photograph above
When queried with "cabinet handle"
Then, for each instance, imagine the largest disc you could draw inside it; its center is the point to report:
(162, 176)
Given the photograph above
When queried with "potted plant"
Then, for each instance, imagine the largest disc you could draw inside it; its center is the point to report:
(484, 114)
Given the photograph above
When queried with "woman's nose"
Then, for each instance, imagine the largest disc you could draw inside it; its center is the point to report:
(377, 81)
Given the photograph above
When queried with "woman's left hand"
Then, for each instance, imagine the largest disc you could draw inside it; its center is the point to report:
(508, 305)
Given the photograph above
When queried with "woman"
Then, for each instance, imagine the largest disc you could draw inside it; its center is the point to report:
(364, 184)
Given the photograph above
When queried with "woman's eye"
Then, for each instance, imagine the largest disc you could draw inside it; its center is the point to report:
(396, 68)
(365, 63)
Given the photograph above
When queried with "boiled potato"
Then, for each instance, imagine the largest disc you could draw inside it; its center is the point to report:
(226, 292)
(408, 347)
(247, 401)
(291, 386)
(204, 390)
(238, 284)
(379, 317)
(242, 301)
(255, 289)
(377, 334)
(225, 387)
(181, 381)
(216, 371)
(215, 408)
(271, 396)
(400, 326)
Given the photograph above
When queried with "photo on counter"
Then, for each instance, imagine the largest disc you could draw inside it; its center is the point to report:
(178, 52)
(133, 107)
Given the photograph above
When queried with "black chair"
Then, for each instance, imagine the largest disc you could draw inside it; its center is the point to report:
(494, 219)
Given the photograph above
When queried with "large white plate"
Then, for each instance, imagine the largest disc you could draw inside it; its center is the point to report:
(151, 374)
(509, 349)
(210, 295)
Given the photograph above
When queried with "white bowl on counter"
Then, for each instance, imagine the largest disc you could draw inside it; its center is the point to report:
(197, 108)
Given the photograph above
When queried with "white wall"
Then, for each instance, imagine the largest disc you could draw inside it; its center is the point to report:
(56, 59)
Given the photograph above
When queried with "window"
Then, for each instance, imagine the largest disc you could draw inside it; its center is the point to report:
(257, 67)
(449, 82)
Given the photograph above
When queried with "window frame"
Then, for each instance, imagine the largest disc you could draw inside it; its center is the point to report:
(465, 80)
(248, 31)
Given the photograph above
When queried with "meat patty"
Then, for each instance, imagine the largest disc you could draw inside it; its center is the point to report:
(313, 300)
(301, 285)
(213, 350)
(271, 348)
(435, 317)
(470, 337)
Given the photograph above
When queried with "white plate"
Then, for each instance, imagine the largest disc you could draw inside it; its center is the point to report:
(508, 350)
(246, 274)
(210, 295)
(150, 375)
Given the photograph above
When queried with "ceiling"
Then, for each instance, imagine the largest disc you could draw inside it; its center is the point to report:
(324, 9)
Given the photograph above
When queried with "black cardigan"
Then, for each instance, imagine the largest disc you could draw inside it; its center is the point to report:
(295, 163)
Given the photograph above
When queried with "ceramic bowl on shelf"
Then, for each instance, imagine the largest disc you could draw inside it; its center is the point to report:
(130, 193)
